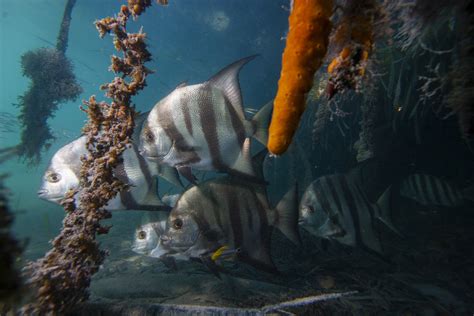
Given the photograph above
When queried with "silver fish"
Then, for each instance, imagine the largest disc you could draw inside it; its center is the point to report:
(230, 212)
(147, 237)
(431, 190)
(334, 207)
(63, 174)
(203, 126)
(147, 242)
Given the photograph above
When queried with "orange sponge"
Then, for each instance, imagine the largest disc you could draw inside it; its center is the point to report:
(306, 46)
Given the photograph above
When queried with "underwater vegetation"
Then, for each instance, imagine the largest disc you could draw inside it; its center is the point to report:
(59, 284)
(372, 76)
(360, 28)
(10, 250)
(52, 83)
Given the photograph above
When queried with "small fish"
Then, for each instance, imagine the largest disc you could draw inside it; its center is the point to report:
(63, 174)
(147, 242)
(334, 207)
(223, 253)
(203, 126)
(231, 212)
(147, 237)
(431, 190)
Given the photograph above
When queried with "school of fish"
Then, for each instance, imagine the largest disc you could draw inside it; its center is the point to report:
(204, 127)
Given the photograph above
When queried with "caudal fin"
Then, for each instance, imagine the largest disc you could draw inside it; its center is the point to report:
(287, 215)
(261, 121)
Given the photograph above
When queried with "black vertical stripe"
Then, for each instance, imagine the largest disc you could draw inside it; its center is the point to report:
(235, 220)
(353, 210)
(216, 210)
(165, 119)
(209, 127)
(236, 122)
(265, 229)
(210, 234)
(187, 115)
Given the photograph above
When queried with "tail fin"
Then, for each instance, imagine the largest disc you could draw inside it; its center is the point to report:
(261, 121)
(385, 210)
(287, 215)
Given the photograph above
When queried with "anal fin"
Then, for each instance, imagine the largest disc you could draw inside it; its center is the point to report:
(243, 163)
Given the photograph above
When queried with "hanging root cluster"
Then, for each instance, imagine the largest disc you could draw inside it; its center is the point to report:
(354, 39)
(52, 83)
(63, 276)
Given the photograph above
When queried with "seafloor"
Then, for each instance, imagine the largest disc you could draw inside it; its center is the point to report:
(428, 272)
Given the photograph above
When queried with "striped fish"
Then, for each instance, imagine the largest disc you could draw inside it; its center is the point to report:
(203, 126)
(431, 190)
(63, 174)
(230, 212)
(334, 207)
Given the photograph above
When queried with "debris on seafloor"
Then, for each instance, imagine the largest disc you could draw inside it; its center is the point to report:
(174, 309)
(52, 83)
(60, 280)
(10, 250)
(306, 45)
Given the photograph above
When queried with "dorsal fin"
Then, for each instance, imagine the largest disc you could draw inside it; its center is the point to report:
(228, 81)
(182, 84)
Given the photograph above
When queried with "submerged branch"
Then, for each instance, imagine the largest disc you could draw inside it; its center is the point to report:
(62, 277)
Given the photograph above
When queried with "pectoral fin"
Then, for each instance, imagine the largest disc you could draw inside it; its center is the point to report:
(170, 174)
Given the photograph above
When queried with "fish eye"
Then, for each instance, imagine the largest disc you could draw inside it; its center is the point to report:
(149, 136)
(141, 235)
(53, 177)
(310, 209)
(177, 223)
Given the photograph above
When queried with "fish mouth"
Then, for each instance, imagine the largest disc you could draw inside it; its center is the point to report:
(44, 195)
(153, 158)
(166, 242)
(42, 192)
(150, 157)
